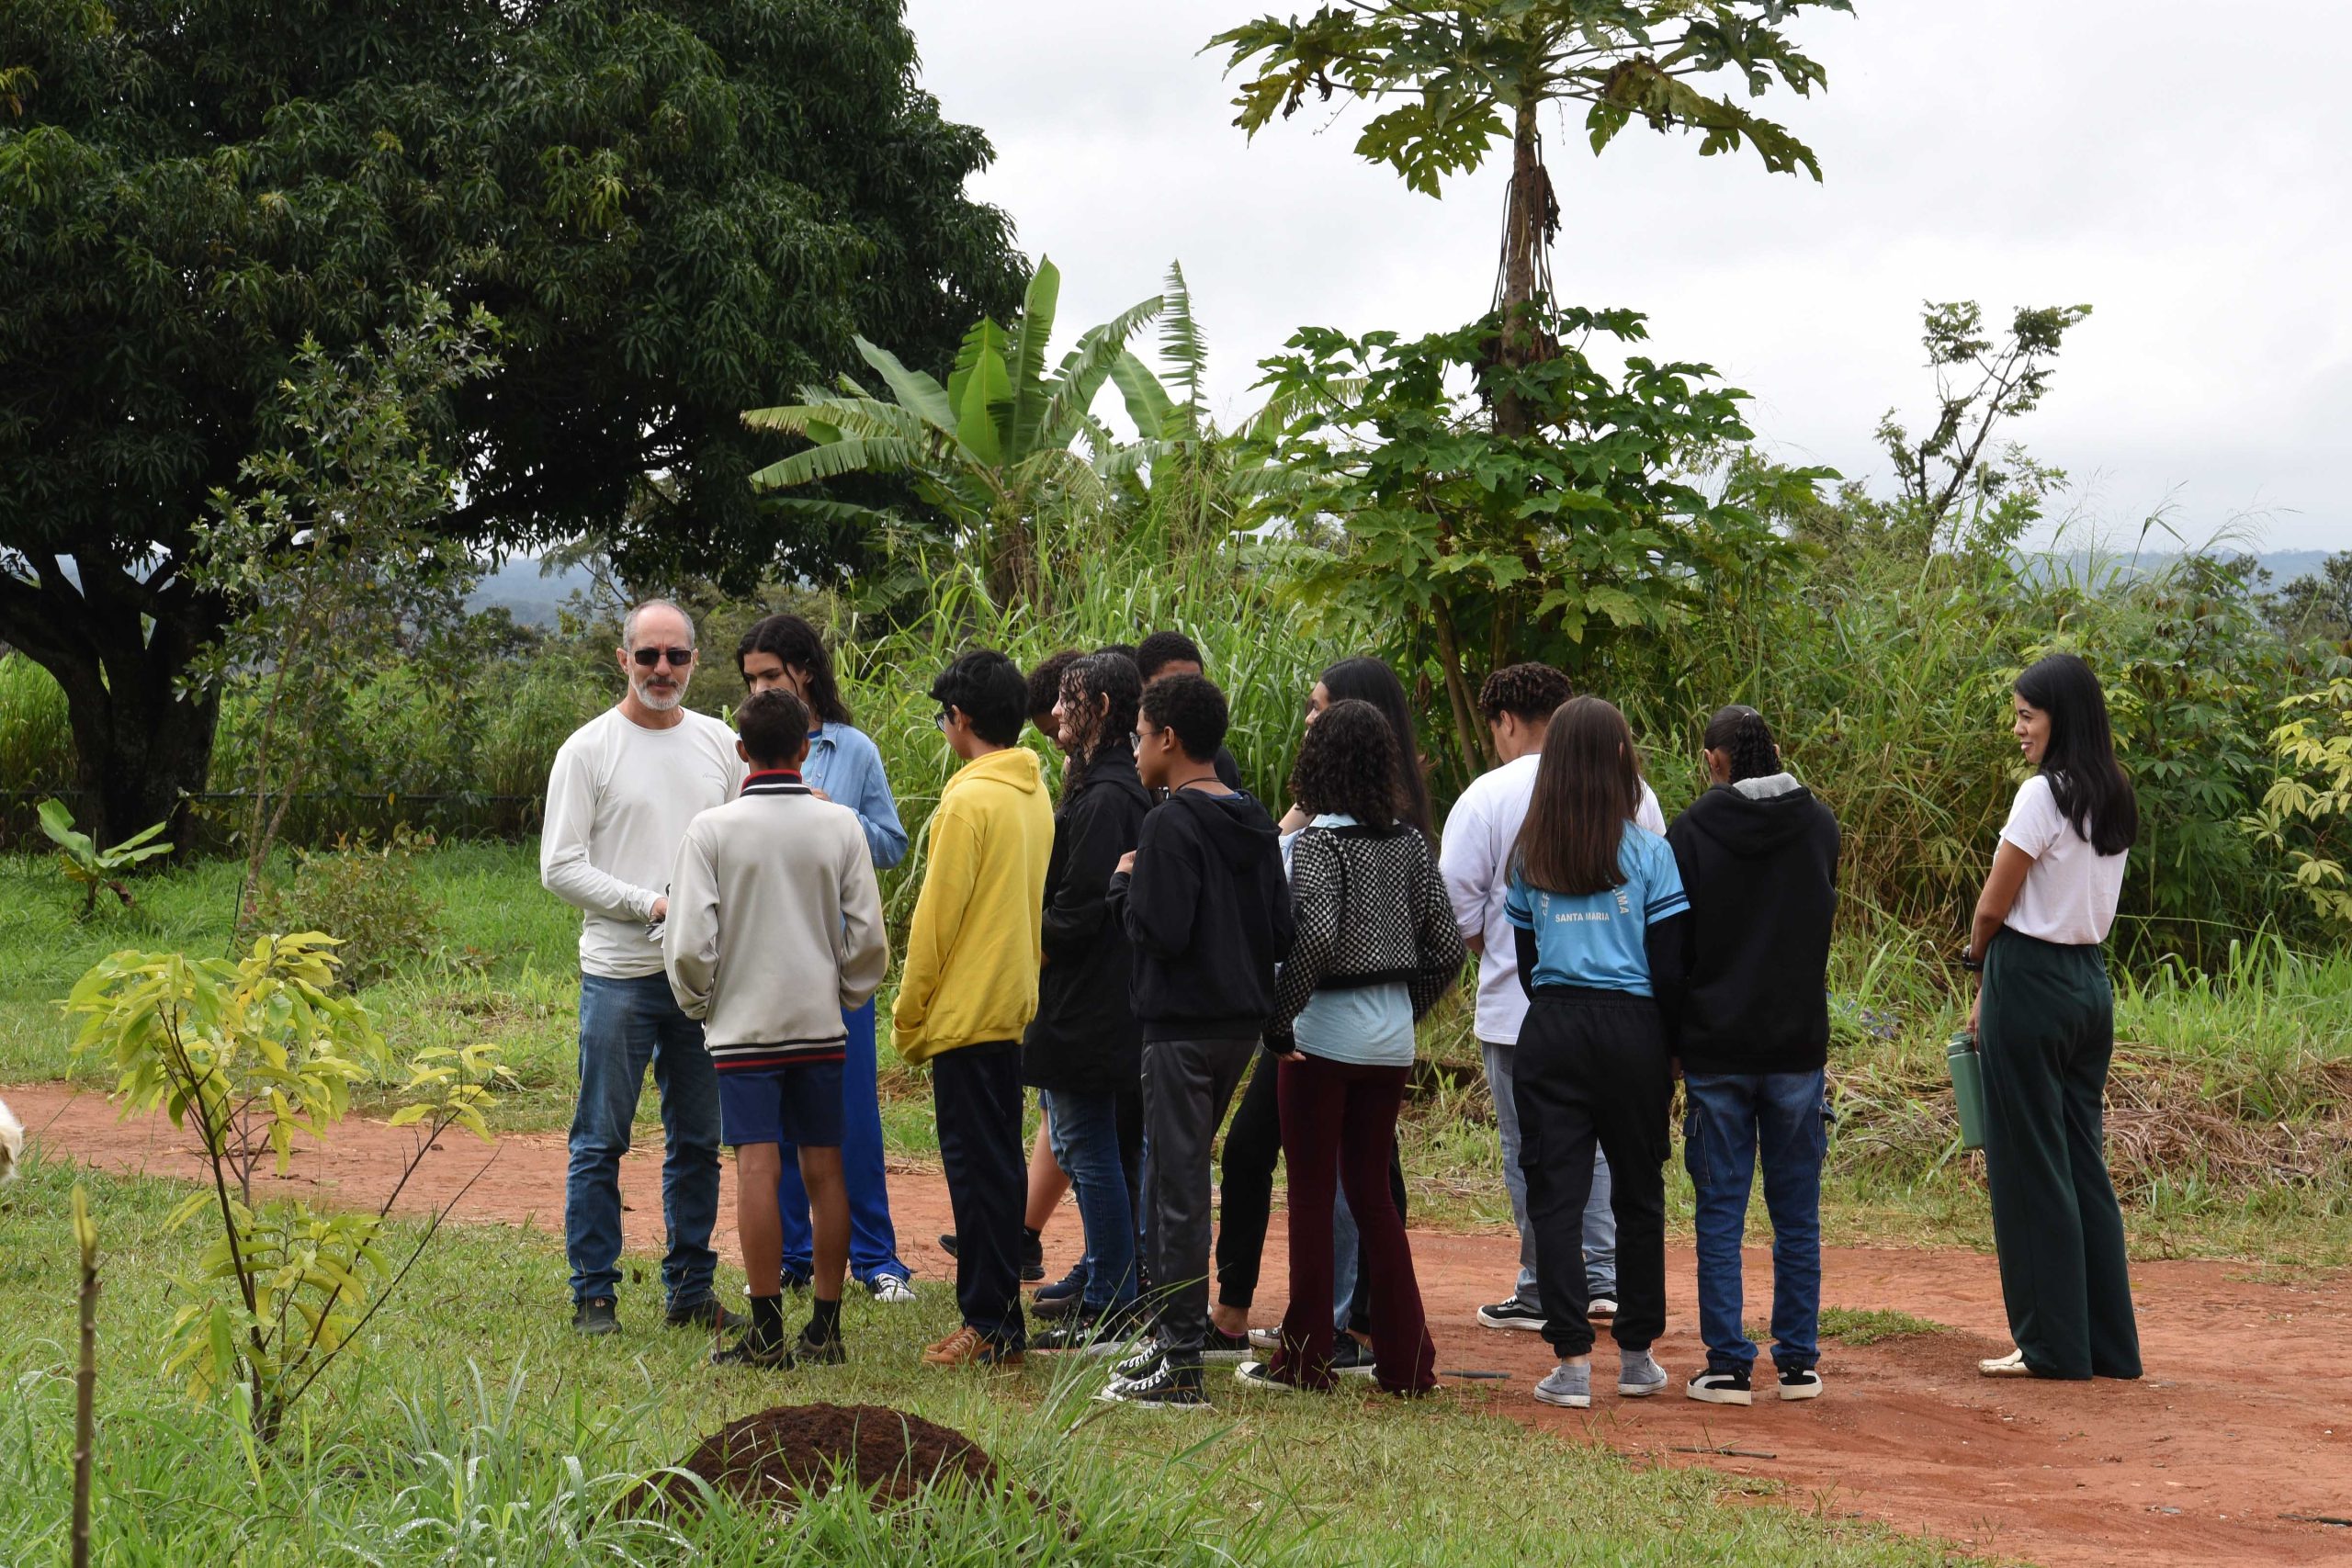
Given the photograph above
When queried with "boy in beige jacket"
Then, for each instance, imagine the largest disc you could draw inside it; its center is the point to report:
(775, 930)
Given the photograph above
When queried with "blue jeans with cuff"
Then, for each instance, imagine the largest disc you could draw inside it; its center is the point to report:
(1729, 1119)
(1084, 1131)
(873, 1242)
(627, 1026)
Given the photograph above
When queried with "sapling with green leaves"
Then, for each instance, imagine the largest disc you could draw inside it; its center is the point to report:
(91, 866)
(243, 1053)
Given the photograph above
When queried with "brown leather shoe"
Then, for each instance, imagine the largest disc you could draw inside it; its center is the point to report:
(968, 1346)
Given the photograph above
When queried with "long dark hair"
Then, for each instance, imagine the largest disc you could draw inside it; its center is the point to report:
(1587, 786)
(795, 641)
(1369, 681)
(2085, 780)
(1741, 734)
(1087, 681)
(1347, 764)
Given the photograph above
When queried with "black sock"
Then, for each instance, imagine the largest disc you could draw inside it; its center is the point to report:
(767, 1319)
(824, 1320)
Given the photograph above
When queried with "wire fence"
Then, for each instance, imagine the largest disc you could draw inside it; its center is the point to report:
(216, 819)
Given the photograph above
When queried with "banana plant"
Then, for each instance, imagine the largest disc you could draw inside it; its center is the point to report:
(91, 866)
(998, 448)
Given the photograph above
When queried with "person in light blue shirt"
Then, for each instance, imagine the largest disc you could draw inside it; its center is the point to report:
(1599, 922)
(843, 766)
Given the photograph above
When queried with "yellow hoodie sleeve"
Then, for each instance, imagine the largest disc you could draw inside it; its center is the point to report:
(950, 863)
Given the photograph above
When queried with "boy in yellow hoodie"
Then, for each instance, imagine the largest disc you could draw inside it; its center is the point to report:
(970, 987)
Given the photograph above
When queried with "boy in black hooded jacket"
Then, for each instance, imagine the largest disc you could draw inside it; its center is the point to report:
(1207, 908)
(1759, 858)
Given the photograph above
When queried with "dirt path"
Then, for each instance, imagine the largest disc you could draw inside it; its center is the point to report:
(2245, 1414)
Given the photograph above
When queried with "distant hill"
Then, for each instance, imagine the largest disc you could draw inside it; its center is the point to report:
(523, 592)
(2284, 566)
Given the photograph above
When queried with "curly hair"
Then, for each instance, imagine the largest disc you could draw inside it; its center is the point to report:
(1532, 692)
(1741, 734)
(1191, 707)
(1159, 651)
(1044, 688)
(1097, 680)
(1347, 764)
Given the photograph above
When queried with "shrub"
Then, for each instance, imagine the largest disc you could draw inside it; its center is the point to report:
(370, 895)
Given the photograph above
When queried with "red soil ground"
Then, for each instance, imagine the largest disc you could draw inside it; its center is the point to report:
(2245, 1418)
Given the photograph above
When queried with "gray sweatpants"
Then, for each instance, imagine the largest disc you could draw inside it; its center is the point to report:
(1187, 1084)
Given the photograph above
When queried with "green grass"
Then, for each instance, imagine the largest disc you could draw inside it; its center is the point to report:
(482, 1430)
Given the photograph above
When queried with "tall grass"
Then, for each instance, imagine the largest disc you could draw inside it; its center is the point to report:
(36, 743)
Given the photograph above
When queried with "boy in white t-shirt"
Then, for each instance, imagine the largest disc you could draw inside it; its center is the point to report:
(1518, 703)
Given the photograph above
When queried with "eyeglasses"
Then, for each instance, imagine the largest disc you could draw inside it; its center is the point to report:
(942, 718)
(678, 657)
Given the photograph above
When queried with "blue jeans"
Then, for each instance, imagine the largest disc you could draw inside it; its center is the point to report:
(1599, 1218)
(872, 1243)
(1730, 1118)
(1084, 1131)
(625, 1025)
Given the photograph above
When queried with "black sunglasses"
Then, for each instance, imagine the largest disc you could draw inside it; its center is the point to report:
(647, 658)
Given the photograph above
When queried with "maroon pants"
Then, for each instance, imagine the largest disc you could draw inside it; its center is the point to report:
(1339, 1121)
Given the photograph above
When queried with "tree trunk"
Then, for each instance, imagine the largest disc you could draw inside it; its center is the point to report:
(1531, 218)
(1477, 747)
(119, 648)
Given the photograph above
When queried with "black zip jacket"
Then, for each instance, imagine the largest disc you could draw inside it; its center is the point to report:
(1760, 862)
(1084, 1039)
(1370, 910)
(1208, 911)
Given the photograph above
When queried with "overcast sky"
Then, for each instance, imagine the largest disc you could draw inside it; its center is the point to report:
(2183, 168)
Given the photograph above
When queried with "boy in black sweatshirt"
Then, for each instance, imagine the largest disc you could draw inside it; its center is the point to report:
(1207, 910)
(1759, 858)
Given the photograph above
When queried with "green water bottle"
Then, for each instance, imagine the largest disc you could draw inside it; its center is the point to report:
(1967, 1087)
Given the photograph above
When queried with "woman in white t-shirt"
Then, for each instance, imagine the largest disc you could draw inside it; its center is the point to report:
(2045, 1031)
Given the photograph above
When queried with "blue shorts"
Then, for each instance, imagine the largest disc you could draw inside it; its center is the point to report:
(799, 1103)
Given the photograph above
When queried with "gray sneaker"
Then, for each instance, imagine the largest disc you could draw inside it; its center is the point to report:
(1568, 1387)
(1638, 1374)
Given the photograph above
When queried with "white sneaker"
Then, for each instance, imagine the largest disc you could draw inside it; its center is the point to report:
(2009, 1366)
(1266, 1340)
(891, 1288)
(1600, 1309)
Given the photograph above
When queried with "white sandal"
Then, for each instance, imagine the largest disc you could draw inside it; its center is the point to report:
(2009, 1366)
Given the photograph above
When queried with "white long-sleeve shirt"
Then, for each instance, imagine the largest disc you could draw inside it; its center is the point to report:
(620, 798)
(1474, 858)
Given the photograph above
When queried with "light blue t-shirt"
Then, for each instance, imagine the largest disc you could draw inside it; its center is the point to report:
(1597, 941)
(1365, 1026)
(843, 762)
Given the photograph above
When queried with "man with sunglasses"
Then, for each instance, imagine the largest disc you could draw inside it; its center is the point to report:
(624, 788)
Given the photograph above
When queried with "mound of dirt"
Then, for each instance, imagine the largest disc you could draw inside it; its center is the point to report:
(788, 1452)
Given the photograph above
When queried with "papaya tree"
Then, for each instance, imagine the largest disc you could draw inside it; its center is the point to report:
(1406, 508)
(1003, 444)
(1452, 79)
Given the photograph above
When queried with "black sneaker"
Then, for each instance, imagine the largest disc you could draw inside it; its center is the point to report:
(1222, 1346)
(1169, 1387)
(1352, 1356)
(1512, 1313)
(1260, 1374)
(1032, 1255)
(1720, 1385)
(1081, 1331)
(704, 1313)
(595, 1317)
(1142, 1362)
(754, 1352)
(1800, 1382)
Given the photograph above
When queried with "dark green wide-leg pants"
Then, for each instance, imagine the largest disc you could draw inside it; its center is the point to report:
(2045, 1034)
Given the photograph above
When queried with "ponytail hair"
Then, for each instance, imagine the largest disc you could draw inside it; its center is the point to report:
(1741, 734)
(2088, 784)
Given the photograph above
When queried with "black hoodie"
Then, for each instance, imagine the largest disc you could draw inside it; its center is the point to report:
(1084, 1039)
(1208, 912)
(1760, 862)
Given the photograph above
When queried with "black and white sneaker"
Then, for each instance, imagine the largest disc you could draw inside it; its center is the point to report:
(1266, 1338)
(1511, 1313)
(1079, 1331)
(1169, 1387)
(1141, 1362)
(1351, 1357)
(1720, 1385)
(1800, 1382)
(1260, 1374)
(1222, 1346)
